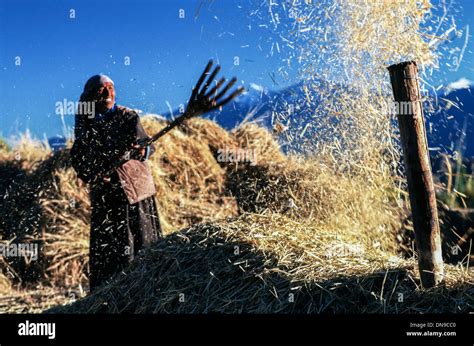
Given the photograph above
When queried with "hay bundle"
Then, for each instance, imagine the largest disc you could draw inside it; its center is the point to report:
(260, 141)
(267, 264)
(189, 180)
(269, 180)
(283, 188)
(215, 136)
(49, 206)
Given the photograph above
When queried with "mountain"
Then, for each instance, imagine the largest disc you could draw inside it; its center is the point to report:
(260, 104)
(450, 128)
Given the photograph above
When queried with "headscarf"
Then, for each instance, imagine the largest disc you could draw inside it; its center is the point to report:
(97, 80)
(93, 83)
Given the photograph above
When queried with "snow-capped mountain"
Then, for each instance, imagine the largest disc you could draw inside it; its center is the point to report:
(451, 128)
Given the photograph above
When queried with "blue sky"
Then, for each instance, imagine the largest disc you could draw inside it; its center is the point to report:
(167, 53)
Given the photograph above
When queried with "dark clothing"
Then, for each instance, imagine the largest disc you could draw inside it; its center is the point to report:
(102, 140)
(119, 228)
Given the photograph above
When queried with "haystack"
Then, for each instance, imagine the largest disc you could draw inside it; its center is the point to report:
(189, 180)
(48, 205)
(272, 264)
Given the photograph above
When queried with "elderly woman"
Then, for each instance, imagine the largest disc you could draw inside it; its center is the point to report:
(124, 214)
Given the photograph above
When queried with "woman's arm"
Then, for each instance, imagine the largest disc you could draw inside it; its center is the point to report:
(141, 135)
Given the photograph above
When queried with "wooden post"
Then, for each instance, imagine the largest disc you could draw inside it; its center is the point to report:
(406, 91)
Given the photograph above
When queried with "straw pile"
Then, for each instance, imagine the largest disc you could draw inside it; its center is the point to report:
(47, 204)
(273, 264)
(189, 180)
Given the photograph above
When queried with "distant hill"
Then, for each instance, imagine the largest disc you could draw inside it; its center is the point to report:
(447, 130)
(453, 128)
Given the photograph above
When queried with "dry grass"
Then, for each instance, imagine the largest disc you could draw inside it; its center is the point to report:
(189, 180)
(5, 285)
(34, 300)
(273, 264)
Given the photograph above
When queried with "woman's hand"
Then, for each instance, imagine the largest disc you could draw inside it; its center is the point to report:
(142, 150)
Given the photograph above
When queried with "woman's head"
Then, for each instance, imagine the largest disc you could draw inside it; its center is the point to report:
(100, 90)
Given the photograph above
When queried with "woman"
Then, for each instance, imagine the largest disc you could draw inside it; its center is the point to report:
(124, 216)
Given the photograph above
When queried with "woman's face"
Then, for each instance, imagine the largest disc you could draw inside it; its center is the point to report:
(105, 97)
